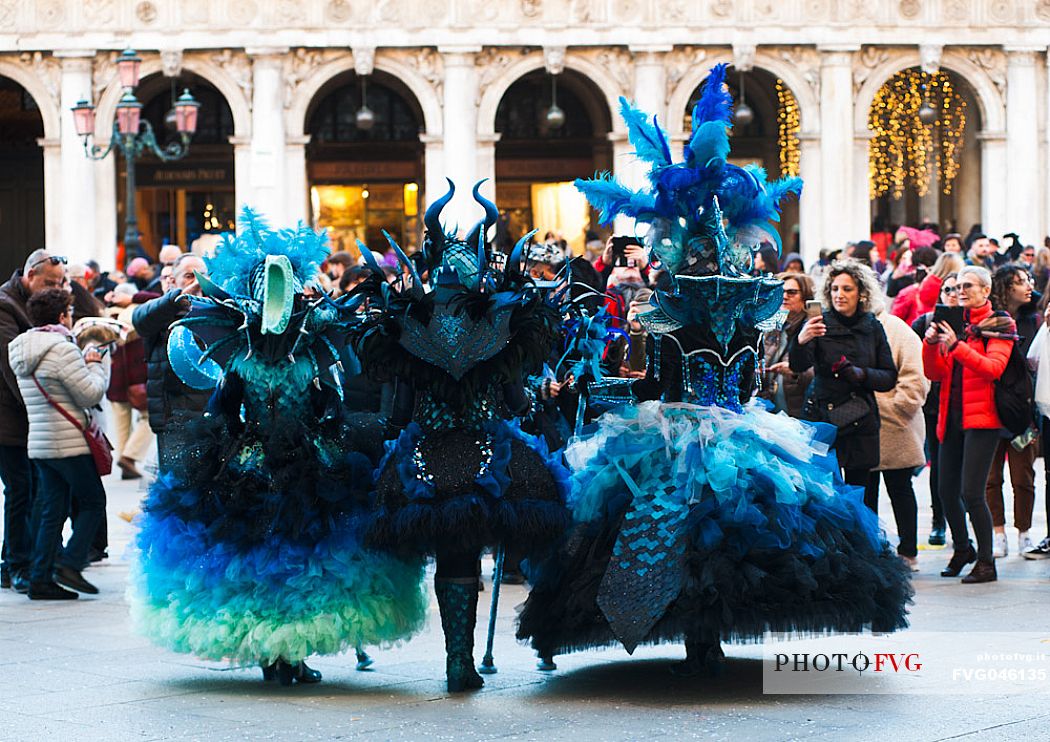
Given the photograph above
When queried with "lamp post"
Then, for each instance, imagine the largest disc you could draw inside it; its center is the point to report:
(134, 137)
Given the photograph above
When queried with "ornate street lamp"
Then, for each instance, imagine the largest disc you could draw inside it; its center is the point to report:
(133, 137)
(927, 113)
(365, 119)
(743, 115)
(555, 116)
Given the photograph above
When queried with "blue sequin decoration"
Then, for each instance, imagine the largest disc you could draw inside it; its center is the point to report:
(645, 571)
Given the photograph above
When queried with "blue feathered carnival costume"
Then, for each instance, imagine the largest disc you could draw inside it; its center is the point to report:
(702, 516)
(460, 473)
(250, 548)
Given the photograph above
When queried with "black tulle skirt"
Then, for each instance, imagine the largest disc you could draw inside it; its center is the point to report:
(460, 491)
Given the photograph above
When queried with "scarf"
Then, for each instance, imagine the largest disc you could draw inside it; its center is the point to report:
(996, 325)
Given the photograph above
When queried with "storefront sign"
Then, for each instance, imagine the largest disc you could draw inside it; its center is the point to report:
(544, 169)
(184, 175)
(348, 171)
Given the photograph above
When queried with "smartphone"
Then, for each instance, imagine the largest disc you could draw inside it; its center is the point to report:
(953, 316)
(619, 249)
(814, 309)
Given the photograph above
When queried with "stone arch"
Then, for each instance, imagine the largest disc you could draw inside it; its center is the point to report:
(990, 100)
(805, 95)
(49, 110)
(425, 95)
(235, 97)
(496, 89)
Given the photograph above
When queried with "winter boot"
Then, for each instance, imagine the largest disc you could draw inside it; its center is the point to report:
(703, 656)
(458, 603)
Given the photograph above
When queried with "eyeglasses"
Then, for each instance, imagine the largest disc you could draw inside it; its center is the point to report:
(968, 286)
(791, 292)
(52, 259)
(950, 290)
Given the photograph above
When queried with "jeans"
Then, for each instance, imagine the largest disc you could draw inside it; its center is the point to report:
(60, 480)
(16, 471)
(966, 459)
(902, 499)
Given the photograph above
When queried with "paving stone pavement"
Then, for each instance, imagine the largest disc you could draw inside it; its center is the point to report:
(75, 671)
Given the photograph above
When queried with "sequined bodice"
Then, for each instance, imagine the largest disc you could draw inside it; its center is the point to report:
(706, 381)
(710, 379)
(433, 414)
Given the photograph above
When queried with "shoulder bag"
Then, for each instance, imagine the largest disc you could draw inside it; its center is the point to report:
(100, 447)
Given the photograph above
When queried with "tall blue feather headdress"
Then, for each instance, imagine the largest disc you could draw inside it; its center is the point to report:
(686, 202)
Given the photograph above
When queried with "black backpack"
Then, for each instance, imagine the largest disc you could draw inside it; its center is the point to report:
(1015, 394)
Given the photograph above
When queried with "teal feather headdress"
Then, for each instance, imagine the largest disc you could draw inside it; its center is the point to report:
(237, 255)
(686, 202)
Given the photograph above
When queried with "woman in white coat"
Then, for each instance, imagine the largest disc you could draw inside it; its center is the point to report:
(902, 434)
(53, 373)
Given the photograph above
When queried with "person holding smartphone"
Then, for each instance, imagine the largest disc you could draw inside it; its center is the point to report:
(60, 383)
(968, 424)
(851, 359)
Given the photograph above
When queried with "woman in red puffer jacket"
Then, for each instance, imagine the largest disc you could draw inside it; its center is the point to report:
(968, 425)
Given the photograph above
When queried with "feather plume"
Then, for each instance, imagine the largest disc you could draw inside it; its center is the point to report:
(650, 143)
(235, 256)
(715, 104)
(612, 198)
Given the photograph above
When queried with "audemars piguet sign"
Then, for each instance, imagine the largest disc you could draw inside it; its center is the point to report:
(184, 175)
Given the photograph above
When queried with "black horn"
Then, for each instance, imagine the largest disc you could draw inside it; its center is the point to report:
(432, 218)
(491, 212)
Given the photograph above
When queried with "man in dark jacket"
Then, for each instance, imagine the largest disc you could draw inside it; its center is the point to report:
(41, 271)
(166, 394)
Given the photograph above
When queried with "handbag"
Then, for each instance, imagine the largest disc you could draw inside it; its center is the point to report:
(99, 445)
(845, 414)
(137, 397)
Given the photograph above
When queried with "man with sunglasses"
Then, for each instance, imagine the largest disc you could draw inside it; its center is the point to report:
(41, 271)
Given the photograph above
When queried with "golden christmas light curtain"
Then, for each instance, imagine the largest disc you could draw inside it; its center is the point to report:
(904, 152)
(787, 130)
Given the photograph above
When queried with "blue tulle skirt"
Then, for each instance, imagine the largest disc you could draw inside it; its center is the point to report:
(252, 549)
(697, 521)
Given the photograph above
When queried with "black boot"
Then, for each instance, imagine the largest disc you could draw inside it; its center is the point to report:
(458, 603)
(959, 560)
(306, 674)
(982, 572)
(287, 673)
(701, 656)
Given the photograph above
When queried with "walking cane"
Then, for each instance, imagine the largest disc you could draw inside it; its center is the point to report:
(487, 665)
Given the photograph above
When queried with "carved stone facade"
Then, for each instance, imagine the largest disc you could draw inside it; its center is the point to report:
(458, 58)
(639, 17)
